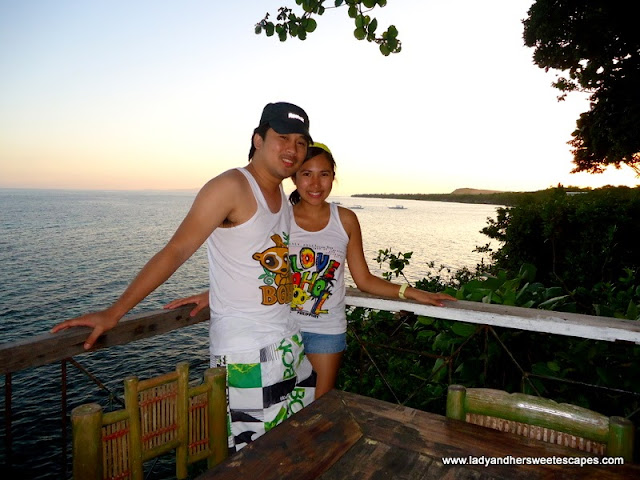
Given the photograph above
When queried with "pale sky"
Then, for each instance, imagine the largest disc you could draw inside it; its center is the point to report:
(164, 94)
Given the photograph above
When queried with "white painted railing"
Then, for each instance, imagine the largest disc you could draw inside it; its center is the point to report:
(529, 319)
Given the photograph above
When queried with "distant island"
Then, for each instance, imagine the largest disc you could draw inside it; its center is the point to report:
(469, 195)
(473, 191)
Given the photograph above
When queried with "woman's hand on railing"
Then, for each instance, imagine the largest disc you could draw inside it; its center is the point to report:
(100, 322)
(201, 300)
(427, 298)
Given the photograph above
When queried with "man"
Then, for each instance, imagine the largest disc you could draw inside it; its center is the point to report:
(243, 216)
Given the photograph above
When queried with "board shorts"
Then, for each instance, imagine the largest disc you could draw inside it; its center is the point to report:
(264, 388)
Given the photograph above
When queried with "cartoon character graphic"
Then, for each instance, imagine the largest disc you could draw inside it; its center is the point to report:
(277, 286)
(299, 298)
(275, 260)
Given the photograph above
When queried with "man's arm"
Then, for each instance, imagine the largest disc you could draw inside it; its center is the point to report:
(216, 201)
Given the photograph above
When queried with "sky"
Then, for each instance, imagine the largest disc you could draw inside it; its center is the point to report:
(164, 94)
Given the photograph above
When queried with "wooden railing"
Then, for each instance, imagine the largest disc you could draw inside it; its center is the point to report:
(51, 348)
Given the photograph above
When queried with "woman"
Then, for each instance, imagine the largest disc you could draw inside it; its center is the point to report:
(323, 236)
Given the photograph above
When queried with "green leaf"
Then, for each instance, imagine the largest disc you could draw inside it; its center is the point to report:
(425, 334)
(308, 6)
(369, 3)
(542, 369)
(553, 366)
(553, 292)
(603, 375)
(523, 290)
(359, 33)
(258, 30)
(269, 28)
(527, 272)
(492, 283)
(441, 342)
(493, 297)
(311, 25)
(463, 329)
(422, 320)
(338, 2)
(438, 367)
(509, 299)
(359, 21)
(392, 32)
(373, 25)
(552, 302)
(353, 11)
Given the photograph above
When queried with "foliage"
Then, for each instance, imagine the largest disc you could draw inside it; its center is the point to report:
(498, 198)
(575, 241)
(396, 263)
(290, 24)
(412, 359)
(598, 44)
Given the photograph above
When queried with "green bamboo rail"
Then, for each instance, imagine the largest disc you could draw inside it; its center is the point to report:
(165, 401)
(521, 411)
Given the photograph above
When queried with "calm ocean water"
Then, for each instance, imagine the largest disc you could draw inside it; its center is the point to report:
(64, 253)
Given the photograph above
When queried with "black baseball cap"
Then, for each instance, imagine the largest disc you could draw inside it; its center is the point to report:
(286, 118)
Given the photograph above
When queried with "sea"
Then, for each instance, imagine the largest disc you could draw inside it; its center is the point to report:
(64, 253)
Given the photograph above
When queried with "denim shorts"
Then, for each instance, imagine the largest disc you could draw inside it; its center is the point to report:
(322, 343)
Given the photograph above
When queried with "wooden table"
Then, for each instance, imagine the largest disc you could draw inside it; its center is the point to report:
(345, 436)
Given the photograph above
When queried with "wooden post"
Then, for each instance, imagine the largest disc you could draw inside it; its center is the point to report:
(182, 413)
(86, 424)
(216, 378)
(135, 435)
(8, 442)
(63, 413)
(621, 432)
(455, 402)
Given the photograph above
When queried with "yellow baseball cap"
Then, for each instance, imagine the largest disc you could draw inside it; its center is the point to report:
(322, 146)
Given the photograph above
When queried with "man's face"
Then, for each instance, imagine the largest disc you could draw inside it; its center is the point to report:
(282, 153)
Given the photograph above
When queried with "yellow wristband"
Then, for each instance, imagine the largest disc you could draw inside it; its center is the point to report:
(403, 287)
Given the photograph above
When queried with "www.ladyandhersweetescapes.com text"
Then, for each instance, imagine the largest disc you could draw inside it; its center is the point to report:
(510, 460)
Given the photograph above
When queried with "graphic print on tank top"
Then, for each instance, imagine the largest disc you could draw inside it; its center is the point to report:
(274, 260)
(314, 273)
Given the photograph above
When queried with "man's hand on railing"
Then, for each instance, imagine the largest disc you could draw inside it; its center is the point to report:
(201, 300)
(100, 322)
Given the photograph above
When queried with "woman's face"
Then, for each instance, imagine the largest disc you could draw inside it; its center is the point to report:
(314, 180)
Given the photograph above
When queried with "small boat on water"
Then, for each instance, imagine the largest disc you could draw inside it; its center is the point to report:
(356, 207)
(398, 207)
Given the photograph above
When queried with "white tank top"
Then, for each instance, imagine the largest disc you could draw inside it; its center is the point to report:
(250, 280)
(317, 265)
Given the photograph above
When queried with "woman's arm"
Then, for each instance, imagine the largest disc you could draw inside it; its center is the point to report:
(369, 283)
